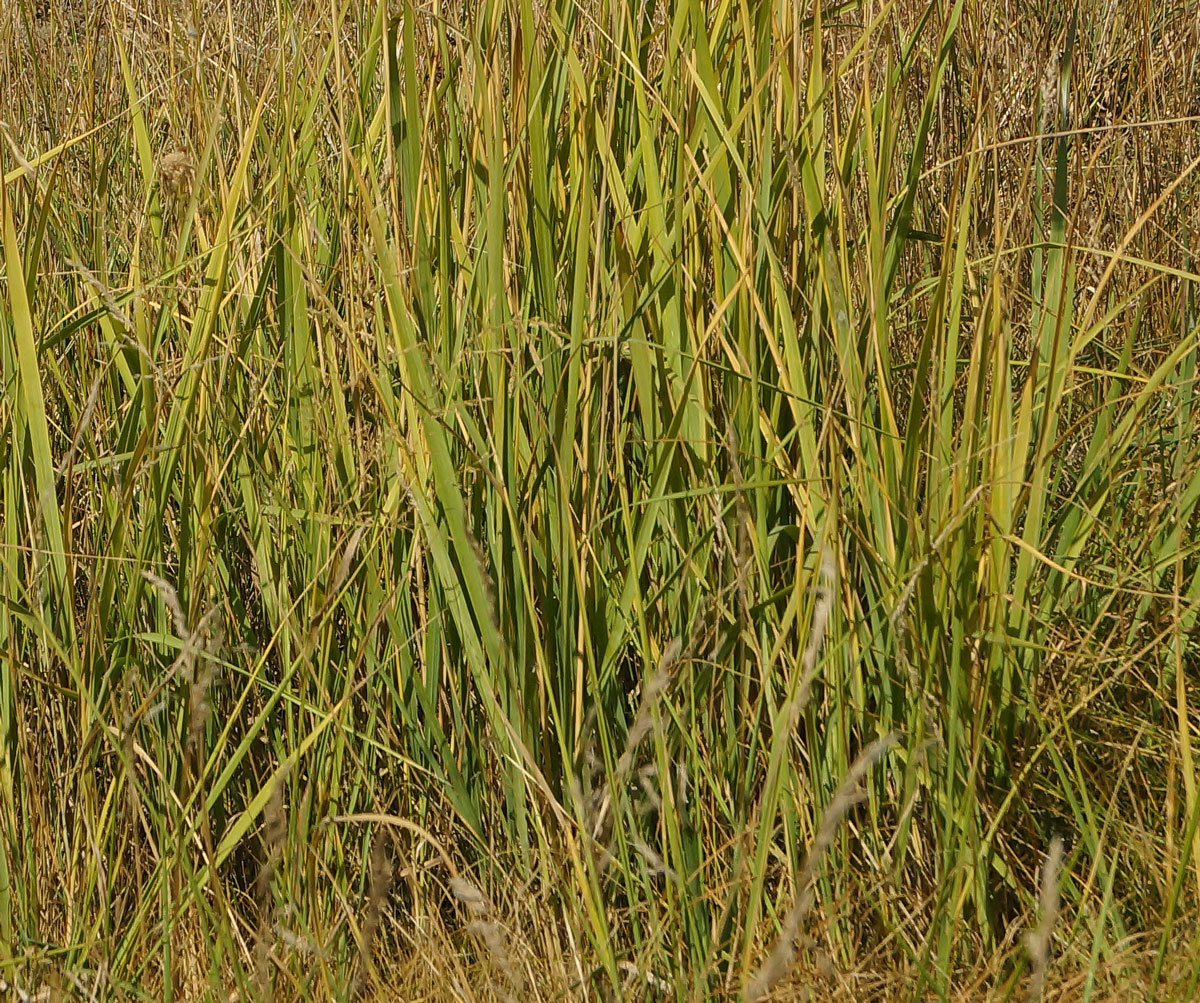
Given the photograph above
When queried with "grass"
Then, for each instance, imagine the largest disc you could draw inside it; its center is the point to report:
(557, 500)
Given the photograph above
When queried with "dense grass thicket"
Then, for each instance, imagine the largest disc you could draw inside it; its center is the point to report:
(599, 500)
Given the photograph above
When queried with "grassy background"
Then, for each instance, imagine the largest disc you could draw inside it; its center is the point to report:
(600, 500)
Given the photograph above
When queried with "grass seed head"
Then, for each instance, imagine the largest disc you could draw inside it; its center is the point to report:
(178, 172)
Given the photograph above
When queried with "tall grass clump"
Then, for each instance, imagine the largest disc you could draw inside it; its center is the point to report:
(588, 499)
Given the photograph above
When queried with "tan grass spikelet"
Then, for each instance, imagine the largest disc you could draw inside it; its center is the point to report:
(1048, 93)
(274, 835)
(487, 931)
(196, 664)
(1037, 941)
(779, 960)
(379, 882)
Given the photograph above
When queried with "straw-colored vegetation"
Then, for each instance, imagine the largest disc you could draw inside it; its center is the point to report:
(599, 500)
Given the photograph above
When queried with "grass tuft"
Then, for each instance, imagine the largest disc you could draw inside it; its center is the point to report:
(723, 475)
